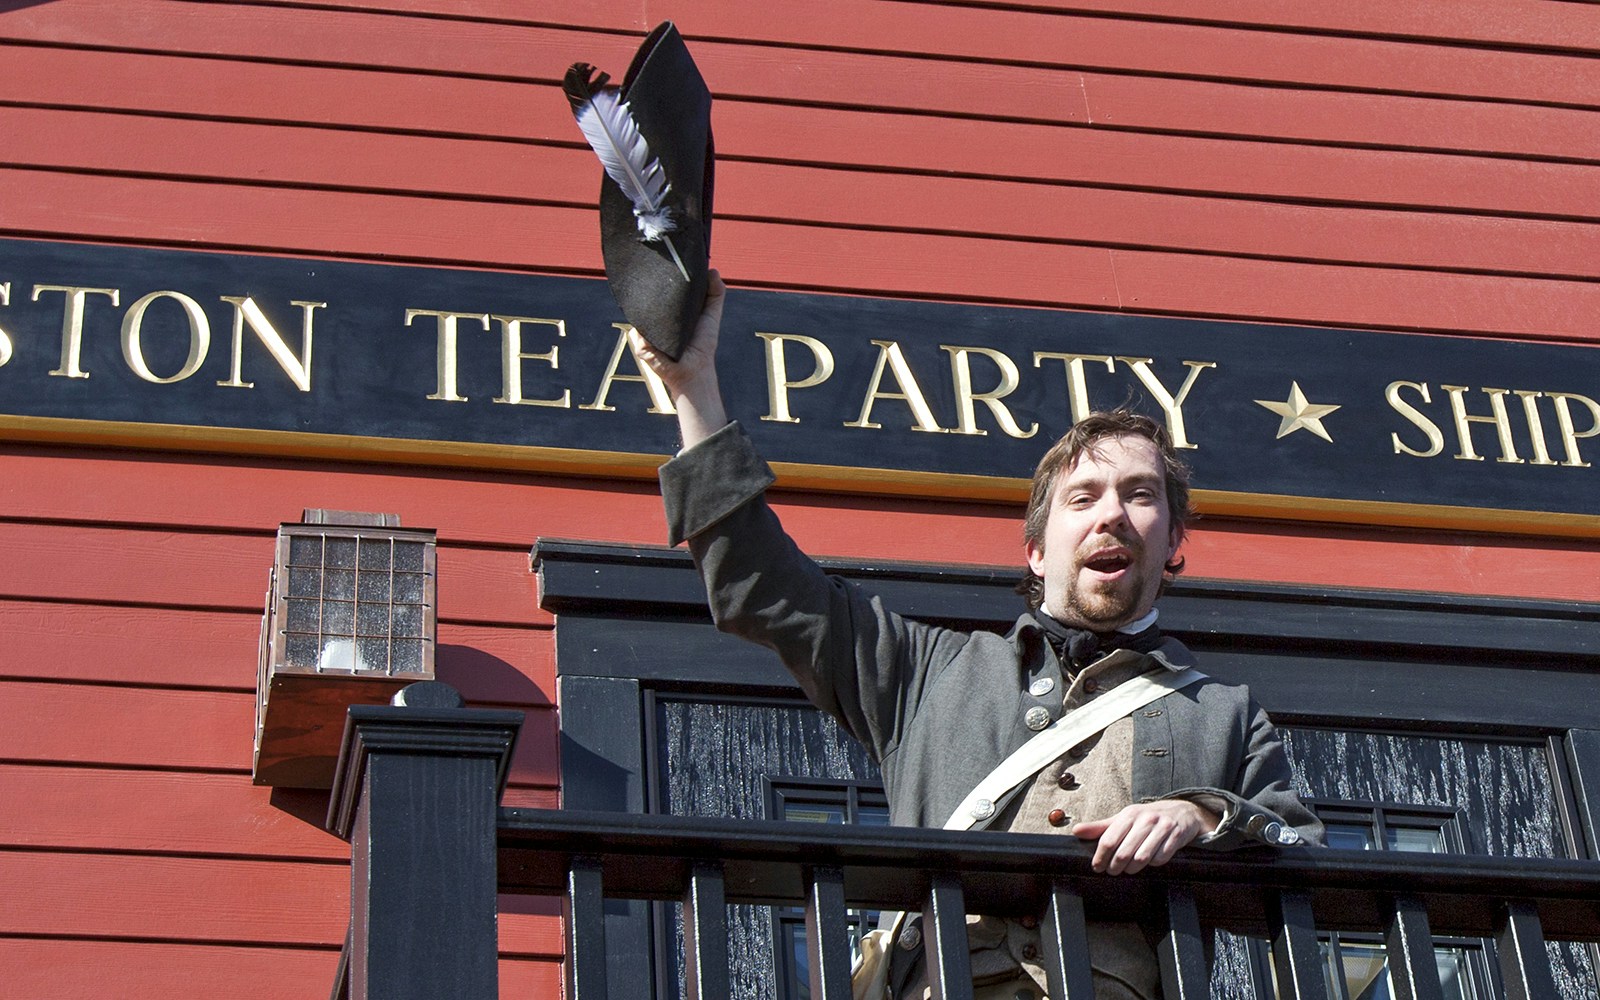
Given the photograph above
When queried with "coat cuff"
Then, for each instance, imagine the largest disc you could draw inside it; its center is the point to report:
(707, 482)
(1243, 823)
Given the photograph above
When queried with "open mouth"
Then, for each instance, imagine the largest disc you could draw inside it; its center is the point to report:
(1108, 561)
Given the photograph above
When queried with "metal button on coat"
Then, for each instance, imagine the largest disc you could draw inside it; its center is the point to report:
(1067, 782)
(1037, 718)
(1091, 685)
(1042, 686)
(1058, 817)
(1030, 952)
(1256, 824)
(982, 809)
(910, 938)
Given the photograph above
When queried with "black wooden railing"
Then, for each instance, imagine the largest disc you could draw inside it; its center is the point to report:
(416, 790)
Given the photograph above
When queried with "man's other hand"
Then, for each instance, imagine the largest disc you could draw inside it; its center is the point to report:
(1145, 834)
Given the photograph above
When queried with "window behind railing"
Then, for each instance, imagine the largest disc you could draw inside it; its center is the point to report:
(818, 800)
(1357, 965)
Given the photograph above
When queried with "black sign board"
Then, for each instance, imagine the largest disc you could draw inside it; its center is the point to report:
(373, 361)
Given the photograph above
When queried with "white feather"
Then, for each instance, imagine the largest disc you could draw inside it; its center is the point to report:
(609, 126)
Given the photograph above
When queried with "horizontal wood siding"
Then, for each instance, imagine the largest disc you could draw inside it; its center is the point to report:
(1428, 166)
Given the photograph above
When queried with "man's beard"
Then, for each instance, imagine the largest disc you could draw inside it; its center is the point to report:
(1103, 607)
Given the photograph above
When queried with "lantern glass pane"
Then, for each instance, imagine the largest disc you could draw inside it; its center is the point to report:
(300, 650)
(342, 552)
(408, 588)
(408, 556)
(302, 615)
(337, 655)
(407, 656)
(372, 619)
(406, 620)
(375, 553)
(372, 654)
(305, 583)
(339, 584)
(305, 551)
(372, 586)
(338, 618)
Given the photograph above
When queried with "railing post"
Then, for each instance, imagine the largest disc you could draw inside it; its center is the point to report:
(944, 939)
(827, 935)
(1412, 966)
(1295, 950)
(1184, 975)
(416, 793)
(1524, 963)
(585, 918)
(1064, 934)
(705, 934)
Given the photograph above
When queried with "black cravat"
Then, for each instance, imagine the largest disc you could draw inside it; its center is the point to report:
(1078, 647)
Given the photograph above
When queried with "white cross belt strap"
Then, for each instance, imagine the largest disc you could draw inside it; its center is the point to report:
(1062, 735)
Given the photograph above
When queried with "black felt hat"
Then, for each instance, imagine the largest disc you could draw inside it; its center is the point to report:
(660, 283)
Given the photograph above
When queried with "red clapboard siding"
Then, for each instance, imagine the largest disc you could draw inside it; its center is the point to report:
(155, 728)
(165, 812)
(451, 167)
(445, 45)
(1529, 22)
(211, 899)
(1448, 563)
(445, 105)
(864, 527)
(881, 263)
(88, 809)
(156, 647)
(1517, 22)
(245, 495)
(1168, 162)
(213, 570)
(464, 168)
(56, 969)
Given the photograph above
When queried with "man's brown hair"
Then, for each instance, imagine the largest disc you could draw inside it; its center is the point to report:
(1085, 438)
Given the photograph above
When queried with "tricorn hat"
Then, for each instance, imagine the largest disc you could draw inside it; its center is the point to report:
(655, 204)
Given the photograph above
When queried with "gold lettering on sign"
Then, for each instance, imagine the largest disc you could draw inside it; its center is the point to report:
(1541, 454)
(72, 323)
(1569, 434)
(1171, 405)
(1077, 384)
(199, 336)
(890, 358)
(445, 351)
(1428, 427)
(1499, 418)
(778, 383)
(966, 410)
(298, 368)
(5, 338)
(512, 355)
(660, 401)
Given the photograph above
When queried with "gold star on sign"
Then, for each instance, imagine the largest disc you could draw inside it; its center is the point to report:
(1298, 412)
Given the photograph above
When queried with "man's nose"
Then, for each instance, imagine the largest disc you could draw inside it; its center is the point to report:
(1109, 513)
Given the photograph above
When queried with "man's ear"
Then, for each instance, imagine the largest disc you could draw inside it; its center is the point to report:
(1035, 553)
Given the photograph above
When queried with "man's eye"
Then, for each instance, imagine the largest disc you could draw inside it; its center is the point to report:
(1144, 496)
(1080, 500)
